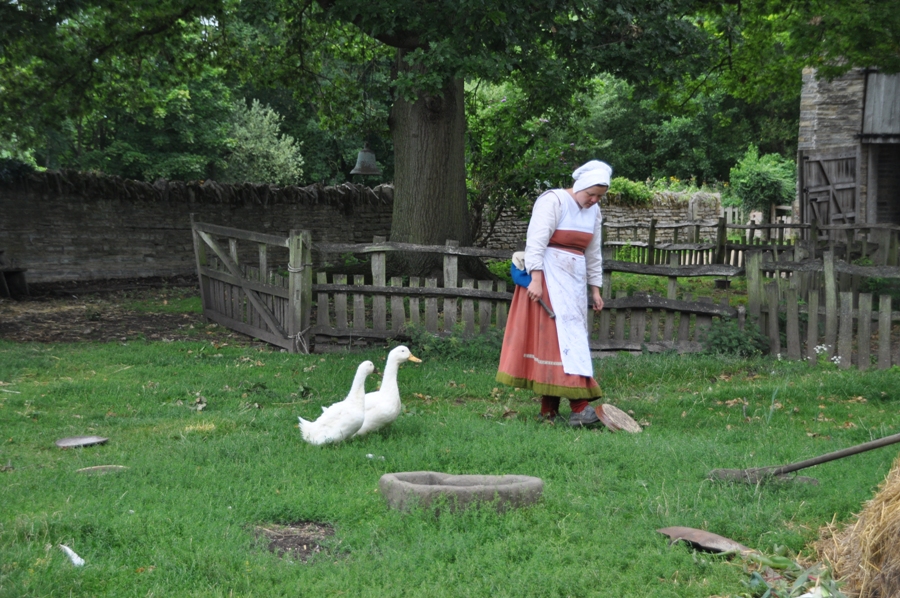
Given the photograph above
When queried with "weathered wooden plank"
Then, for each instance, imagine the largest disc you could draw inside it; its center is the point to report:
(638, 326)
(702, 306)
(845, 332)
(340, 303)
(323, 318)
(605, 294)
(694, 271)
(812, 327)
(300, 288)
(417, 292)
(502, 308)
(654, 325)
(754, 284)
(451, 277)
(792, 325)
(431, 311)
(359, 305)
(243, 328)
(884, 332)
(485, 308)
(703, 321)
(772, 318)
(414, 314)
(636, 347)
(620, 317)
(245, 235)
(684, 323)
(468, 310)
(831, 308)
(454, 249)
(379, 272)
(864, 332)
(398, 311)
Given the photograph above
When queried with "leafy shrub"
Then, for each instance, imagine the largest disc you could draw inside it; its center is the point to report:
(500, 269)
(726, 338)
(481, 347)
(260, 153)
(763, 181)
(625, 192)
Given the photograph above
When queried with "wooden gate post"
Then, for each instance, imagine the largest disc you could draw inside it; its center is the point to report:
(831, 306)
(300, 289)
(201, 262)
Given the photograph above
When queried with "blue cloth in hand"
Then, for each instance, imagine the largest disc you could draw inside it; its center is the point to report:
(520, 277)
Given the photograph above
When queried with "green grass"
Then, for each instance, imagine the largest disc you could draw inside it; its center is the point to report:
(179, 521)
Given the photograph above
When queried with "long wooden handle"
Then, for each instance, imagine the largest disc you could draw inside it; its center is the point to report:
(860, 448)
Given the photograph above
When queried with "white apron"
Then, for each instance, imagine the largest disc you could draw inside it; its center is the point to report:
(565, 276)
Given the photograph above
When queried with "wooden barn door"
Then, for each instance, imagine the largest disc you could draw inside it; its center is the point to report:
(828, 191)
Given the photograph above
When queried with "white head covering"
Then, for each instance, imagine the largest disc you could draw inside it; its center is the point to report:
(593, 173)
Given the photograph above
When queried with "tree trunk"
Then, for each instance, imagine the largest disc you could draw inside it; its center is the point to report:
(430, 204)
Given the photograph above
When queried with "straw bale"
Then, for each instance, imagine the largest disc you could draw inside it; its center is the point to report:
(865, 554)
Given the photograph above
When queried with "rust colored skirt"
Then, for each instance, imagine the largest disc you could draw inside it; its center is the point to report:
(530, 354)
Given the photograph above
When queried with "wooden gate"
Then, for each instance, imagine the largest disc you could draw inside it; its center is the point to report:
(828, 189)
(255, 299)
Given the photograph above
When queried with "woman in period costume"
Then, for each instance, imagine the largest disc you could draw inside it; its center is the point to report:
(551, 355)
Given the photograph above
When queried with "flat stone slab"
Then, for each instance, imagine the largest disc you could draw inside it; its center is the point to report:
(404, 490)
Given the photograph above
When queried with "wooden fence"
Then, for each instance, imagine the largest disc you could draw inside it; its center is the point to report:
(800, 307)
(718, 242)
(797, 301)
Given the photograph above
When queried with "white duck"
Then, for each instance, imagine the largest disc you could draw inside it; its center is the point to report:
(343, 419)
(383, 406)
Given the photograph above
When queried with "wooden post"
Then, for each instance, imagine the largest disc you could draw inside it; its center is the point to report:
(651, 243)
(359, 304)
(884, 332)
(431, 311)
(379, 275)
(671, 293)
(812, 330)
(754, 283)
(485, 307)
(468, 309)
(721, 241)
(501, 306)
(620, 317)
(340, 304)
(831, 308)
(813, 239)
(414, 318)
(845, 332)
(323, 317)
(772, 318)
(792, 327)
(300, 289)
(450, 282)
(398, 311)
(864, 332)
(201, 262)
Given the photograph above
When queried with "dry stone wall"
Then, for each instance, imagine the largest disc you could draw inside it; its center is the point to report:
(82, 226)
(66, 225)
(667, 208)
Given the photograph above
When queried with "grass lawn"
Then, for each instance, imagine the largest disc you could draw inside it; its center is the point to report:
(183, 519)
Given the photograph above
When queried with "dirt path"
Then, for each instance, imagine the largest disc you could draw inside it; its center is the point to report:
(110, 311)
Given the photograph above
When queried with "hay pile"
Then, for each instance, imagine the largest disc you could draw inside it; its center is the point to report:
(865, 555)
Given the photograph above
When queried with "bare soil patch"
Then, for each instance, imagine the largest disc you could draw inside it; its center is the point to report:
(298, 541)
(111, 311)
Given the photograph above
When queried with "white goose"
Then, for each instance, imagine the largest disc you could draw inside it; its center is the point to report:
(343, 419)
(383, 406)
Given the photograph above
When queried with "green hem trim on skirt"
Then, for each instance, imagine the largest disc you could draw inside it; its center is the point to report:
(552, 390)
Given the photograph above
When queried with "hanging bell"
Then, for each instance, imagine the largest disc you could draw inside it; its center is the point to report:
(365, 162)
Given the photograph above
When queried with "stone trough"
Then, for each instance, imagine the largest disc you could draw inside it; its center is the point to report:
(404, 490)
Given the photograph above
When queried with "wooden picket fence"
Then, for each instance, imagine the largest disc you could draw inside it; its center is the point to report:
(840, 325)
(798, 303)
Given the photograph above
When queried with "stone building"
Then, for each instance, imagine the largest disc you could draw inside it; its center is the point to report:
(849, 149)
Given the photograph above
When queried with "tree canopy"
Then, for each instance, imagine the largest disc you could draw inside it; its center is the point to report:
(148, 88)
